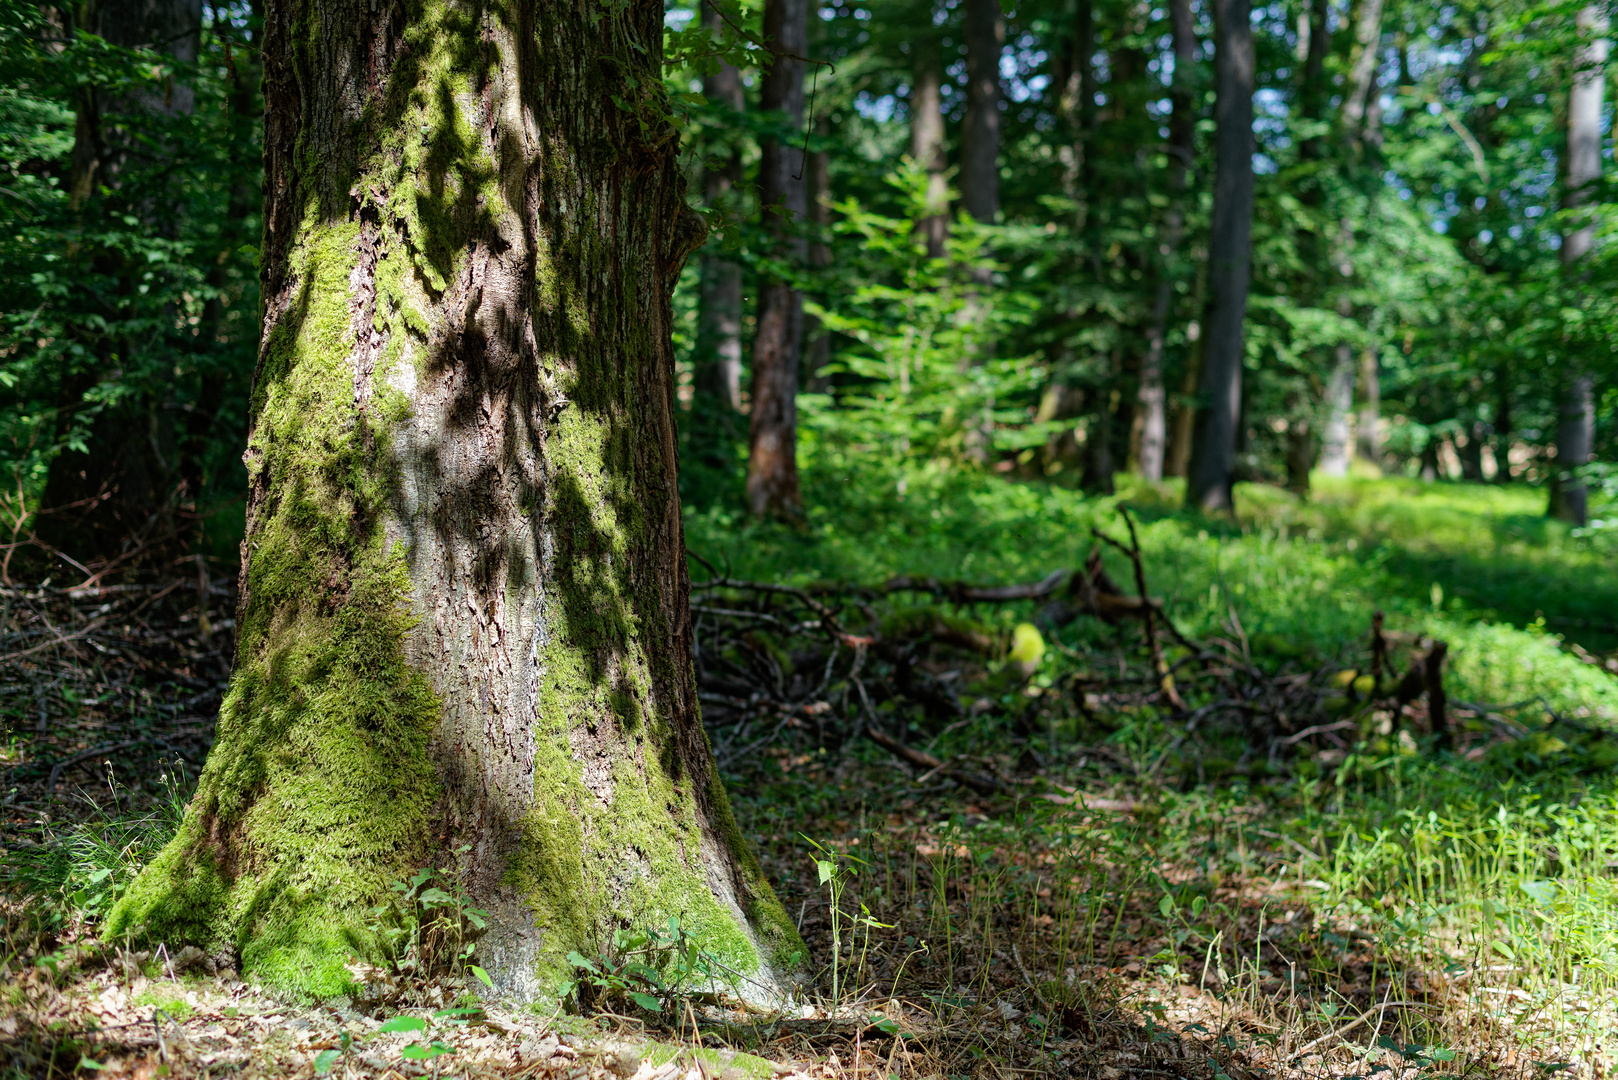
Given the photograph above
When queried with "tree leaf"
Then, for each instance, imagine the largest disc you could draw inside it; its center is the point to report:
(1541, 892)
(483, 976)
(323, 1062)
(646, 1001)
(403, 1023)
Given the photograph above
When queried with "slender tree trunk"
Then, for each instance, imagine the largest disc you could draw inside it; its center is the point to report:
(1078, 104)
(772, 464)
(1575, 433)
(817, 339)
(463, 630)
(1181, 433)
(1503, 421)
(1472, 453)
(1300, 455)
(719, 320)
(1335, 450)
(1100, 435)
(980, 131)
(1367, 436)
(1315, 93)
(1152, 398)
(1315, 88)
(927, 139)
(1214, 457)
(1362, 109)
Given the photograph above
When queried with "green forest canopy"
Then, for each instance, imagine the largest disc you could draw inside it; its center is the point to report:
(1415, 230)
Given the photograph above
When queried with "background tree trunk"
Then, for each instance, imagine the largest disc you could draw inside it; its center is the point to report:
(1362, 109)
(1335, 451)
(772, 464)
(980, 130)
(1182, 125)
(1214, 453)
(1367, 437)
(816, 338)
(927, 138)
(463, 638)
(1575, 430)
(719, 320)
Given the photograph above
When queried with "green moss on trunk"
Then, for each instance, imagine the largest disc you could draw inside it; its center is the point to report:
(317, 792)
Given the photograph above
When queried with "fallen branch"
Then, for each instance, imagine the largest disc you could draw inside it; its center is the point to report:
(978, 782)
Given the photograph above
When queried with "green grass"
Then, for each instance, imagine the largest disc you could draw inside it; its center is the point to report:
(1475, 564)
(1488, 881)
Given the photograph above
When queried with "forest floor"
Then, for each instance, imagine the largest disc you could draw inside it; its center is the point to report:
(1044, 869)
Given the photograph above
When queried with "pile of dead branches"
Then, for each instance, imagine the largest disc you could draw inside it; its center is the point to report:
(903, 661)
(129, 673)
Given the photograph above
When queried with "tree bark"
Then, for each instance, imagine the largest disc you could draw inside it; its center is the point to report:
(718, 381)
(1574, 441)
(927, 139)
(980, 130)
(1335, 450)
(1575, 431)
(1315, 88)
(1214, 454)
(1362, 109)
(1367, 437)
(817, 339)
(463, 634)
(1152, 398)
(1503, 421)
(772, 464)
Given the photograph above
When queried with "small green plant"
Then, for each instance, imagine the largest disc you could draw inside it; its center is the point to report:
(836, 870)
(653, 968)
(79, 872)
(176, 1007)
(428, 926)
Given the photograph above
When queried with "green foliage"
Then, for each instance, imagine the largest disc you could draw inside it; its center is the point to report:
(653, 968)
(1303, 577)
(915, 374)
(135, 306)
(77, 870)
(428, 925)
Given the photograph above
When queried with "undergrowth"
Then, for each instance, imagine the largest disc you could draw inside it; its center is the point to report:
(1382, 906)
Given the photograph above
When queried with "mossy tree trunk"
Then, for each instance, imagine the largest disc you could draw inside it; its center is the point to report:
(464, 632)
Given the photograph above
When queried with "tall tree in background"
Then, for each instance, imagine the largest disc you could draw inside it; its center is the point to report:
(1575, 431)
(718, 360)
(1362, 131)
(1213, 461)
(463, 635)
(1152, 397)
(816, 338)
(1336, 451)
(772, 463)
(927, 134)
(980, 129)
(1362, 109)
